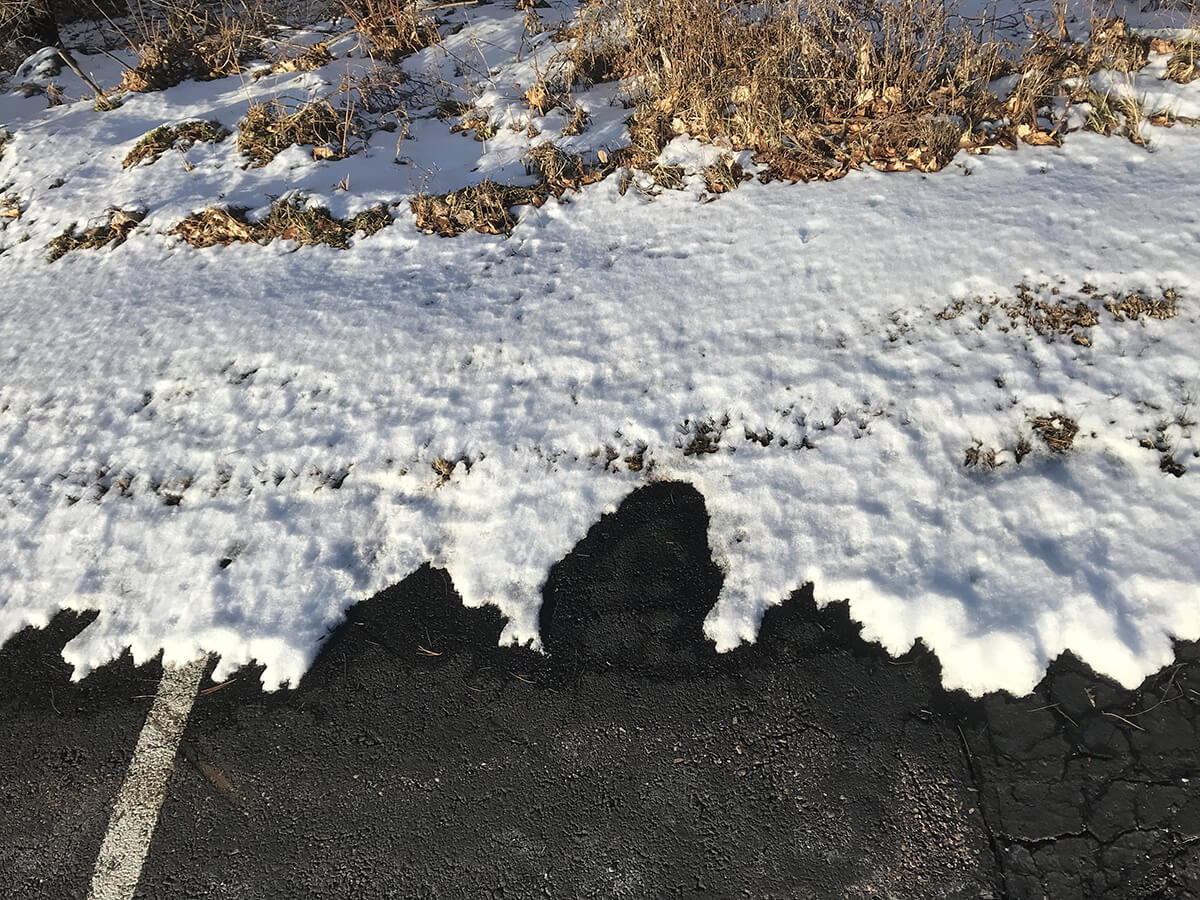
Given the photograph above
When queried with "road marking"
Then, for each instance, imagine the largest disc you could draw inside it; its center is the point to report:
(135, 812)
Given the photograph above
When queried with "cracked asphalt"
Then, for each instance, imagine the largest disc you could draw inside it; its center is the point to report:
(419, 759)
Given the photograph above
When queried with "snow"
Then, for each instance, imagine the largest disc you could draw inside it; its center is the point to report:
(223, 449)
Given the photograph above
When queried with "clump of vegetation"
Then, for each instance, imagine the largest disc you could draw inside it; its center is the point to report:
(1048, 316)
(703, 436)
(158, 141)
(394, 28)
(1184, 64)
(485, 207)
(478, 122)
(311, 225)
(1057, 430)
(1134, 305)
(444, 467)
(270, 128)
(818, 87)
(112, 232)
(560, 170)
(187, 39)
(1048, 311)
(1102, 116)
(288, 219)
(10, 208)
(578, 123)
(5, 137)
(1107, 111)
(1162, 443)
(1055, 66)
(215, 226)
(978, 456)
(335, 125)
(312, 57)
(724, 176)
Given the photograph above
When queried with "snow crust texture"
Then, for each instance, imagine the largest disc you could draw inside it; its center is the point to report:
(222, 449)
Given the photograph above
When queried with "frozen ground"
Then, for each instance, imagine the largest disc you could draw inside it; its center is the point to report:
(222, 449)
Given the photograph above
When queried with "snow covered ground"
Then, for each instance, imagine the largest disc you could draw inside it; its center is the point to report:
(222, 449)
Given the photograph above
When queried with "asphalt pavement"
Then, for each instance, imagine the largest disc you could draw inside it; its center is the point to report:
(417, 758)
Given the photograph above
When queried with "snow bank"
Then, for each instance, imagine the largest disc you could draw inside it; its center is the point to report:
(223, 449)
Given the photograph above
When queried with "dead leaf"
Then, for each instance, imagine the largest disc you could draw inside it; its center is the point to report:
(1035, 136)
(538, 98)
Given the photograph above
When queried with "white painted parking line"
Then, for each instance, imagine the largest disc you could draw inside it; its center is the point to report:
(135, 812)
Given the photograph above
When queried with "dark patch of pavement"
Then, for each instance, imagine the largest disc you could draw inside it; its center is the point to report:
(419, 759)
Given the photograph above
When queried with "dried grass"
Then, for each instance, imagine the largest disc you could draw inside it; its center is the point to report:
(270, 128)
(816, 86)
(288, 219)
(309, 58)
(393, 28)
(1057, 430)
(820, 87)
(336, 125)
(1184, 64)
(1134, 305)
(485, 207)
(113, 232)
(180, 137)
(177, 40)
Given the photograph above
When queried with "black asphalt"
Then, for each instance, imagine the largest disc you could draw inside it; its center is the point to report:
(419, 759)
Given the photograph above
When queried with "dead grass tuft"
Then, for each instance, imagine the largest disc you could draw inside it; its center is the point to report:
(1113, 46)
(476, 121)
(578, 123)
(444, 467)
(288, 219)
(185, 39)
(112, 232)
(724, 176)
(561, 171)
(180, 137)
(335, 125)
(1048, 317)
(1184, 64)
(1049, 311)
(10, 208)
(980, 457)
(485, 207)
(820, 87)
(214, 226)
(394, 28)
(1057, 430)
(310, 58)
(1135, 305)
(1055, 66)
(270, 128)
(703, 436)
(1102, 116)
(816, 86)
(1022, 450)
